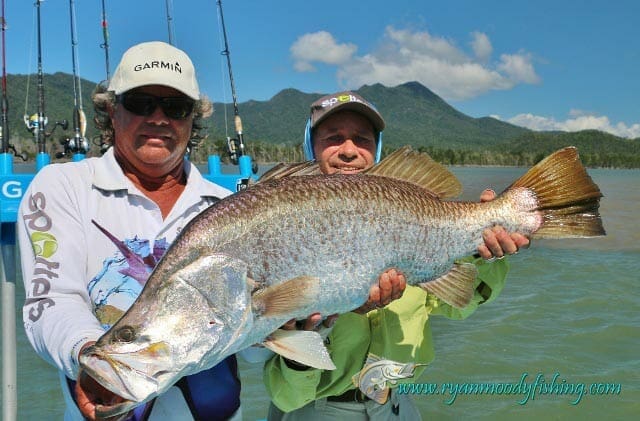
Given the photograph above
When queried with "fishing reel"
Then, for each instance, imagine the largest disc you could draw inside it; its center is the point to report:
(235, 149)
(22, 155)
(9, 147)
(73, 145)
(36, 125)
(100, 142)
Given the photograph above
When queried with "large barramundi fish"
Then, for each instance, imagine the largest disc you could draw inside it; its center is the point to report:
(292, 245)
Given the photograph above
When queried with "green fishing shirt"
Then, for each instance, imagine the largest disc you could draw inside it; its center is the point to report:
(400, 332)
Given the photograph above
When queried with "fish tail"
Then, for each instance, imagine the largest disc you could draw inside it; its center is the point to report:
(567, 198)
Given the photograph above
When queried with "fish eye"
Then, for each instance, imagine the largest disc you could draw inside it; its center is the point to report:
(125, 334)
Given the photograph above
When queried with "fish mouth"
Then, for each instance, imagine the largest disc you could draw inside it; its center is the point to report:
(108, 411)
(118, 373)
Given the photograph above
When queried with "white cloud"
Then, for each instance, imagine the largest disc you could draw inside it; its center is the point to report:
(319, 47)
(481, 46)
(580, 120)
(405, 55)
(519, 68)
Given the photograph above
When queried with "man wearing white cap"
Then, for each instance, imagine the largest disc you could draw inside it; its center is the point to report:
(143, 191)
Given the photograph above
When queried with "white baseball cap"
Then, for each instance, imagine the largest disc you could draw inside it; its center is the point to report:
(155, 63)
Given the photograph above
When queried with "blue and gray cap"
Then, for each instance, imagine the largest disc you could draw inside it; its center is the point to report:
(342, 101)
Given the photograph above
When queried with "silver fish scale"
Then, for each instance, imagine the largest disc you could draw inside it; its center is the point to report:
(344, 230)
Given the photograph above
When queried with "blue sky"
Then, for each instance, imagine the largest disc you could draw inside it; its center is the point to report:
(548, 65)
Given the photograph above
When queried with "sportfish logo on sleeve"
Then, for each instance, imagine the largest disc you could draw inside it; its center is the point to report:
(44, 246)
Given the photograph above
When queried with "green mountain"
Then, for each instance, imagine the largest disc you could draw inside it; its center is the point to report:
(22, 96)
(414, 114)
(418, 117)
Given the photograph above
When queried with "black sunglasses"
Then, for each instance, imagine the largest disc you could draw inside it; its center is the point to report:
(174, 107)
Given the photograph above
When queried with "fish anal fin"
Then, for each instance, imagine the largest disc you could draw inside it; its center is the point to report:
(455, 287)
(287, 296)
(296, 345)
(418, 168)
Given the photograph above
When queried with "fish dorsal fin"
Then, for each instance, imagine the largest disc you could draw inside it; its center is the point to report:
(418, 168)
(372, 358)
(302, 346)
(282, 170)
(454, 287)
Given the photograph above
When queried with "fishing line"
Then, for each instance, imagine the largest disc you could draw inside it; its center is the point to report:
(223, 71)
(169, 6)
(33, 26)
(77, 88)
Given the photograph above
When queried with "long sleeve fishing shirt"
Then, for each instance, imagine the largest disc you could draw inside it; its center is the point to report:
(77, 280)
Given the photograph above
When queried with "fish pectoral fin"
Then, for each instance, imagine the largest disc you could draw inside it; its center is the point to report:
(295, 345)
(286, 296)
(380, 396)
(455, 287)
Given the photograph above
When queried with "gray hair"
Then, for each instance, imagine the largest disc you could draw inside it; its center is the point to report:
(103, 99)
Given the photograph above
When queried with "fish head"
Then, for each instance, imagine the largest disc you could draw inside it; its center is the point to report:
(176, 327)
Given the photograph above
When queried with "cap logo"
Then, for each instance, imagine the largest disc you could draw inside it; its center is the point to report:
(158, 65)
(330, 102)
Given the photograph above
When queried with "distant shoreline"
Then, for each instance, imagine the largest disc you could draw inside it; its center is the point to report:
(29, 166)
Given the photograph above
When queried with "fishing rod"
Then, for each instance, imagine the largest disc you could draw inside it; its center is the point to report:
(100, 139)
(78, 144)
(37, 123)
(105, 36)
(236, 147)
(5, 104)
(4, 123)
(169, 7)
(6, 145)
(8, 200)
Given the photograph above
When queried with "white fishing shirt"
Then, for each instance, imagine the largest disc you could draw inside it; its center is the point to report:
(77, 281)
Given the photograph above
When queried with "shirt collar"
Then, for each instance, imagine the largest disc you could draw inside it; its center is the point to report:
(109, 176)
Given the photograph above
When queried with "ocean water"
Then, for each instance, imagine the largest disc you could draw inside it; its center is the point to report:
(568, 319)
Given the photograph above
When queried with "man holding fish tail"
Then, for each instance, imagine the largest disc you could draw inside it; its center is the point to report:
(389, 337)
(90, 233)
